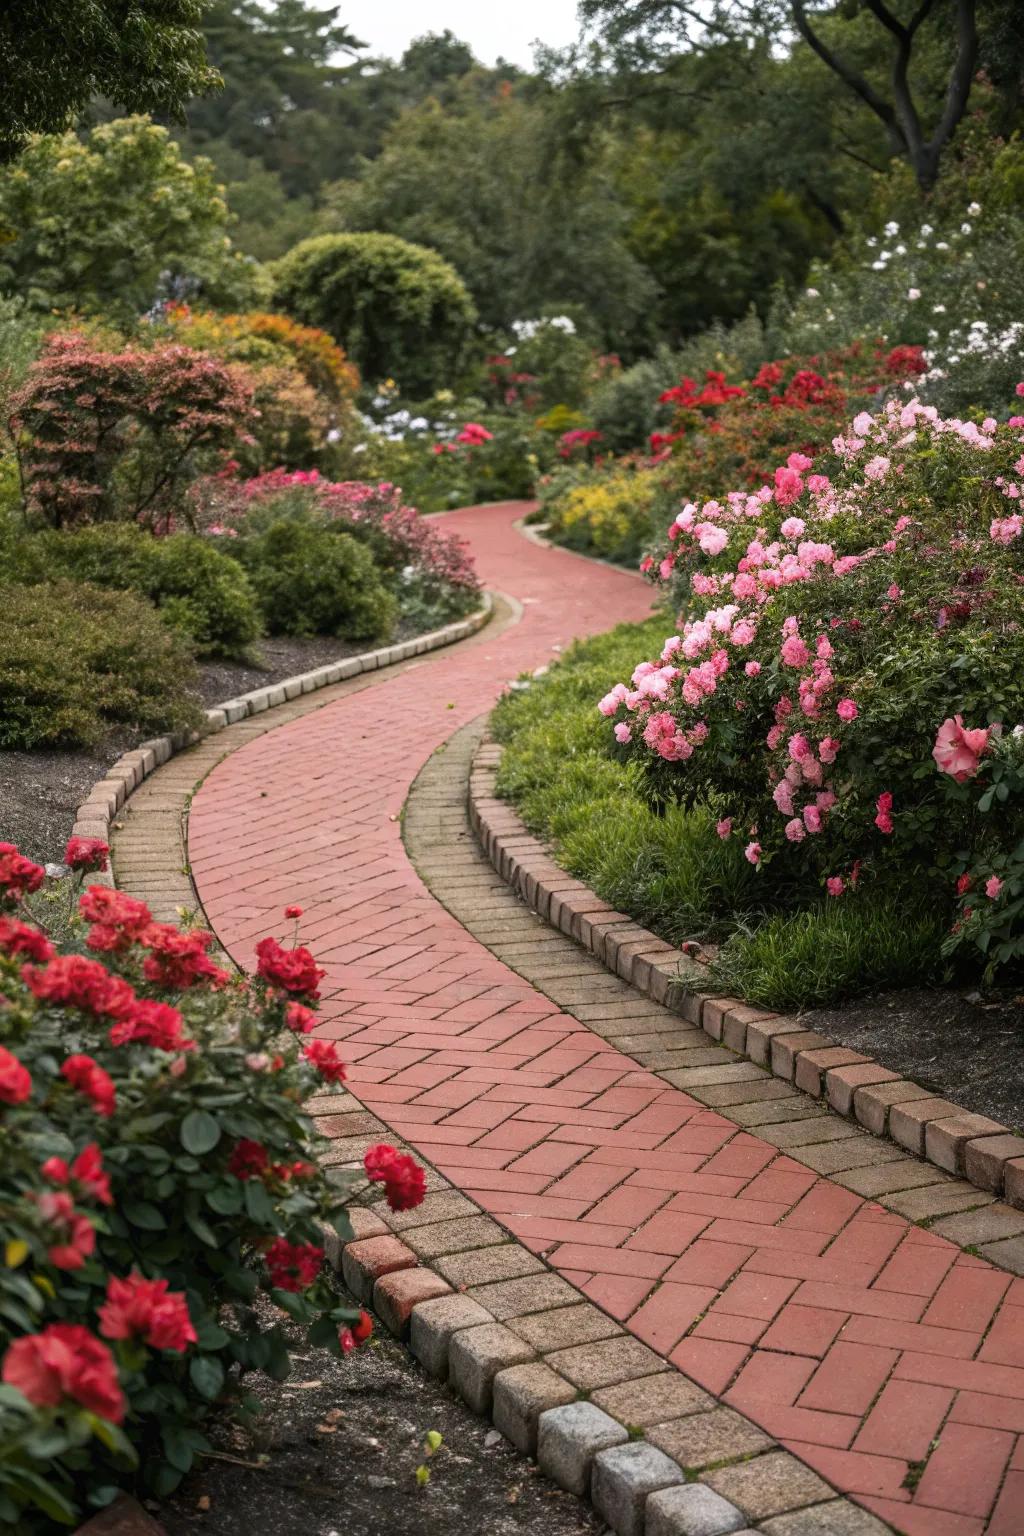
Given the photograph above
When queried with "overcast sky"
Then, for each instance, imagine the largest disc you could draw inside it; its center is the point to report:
(492, 27)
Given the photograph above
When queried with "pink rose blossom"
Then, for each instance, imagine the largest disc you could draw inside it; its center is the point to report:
(835, 885)
(793, 528)
(846, 709)
(623, 732)
(724, 827)
(795, 830)
(752, 668)
(993, 885)
(883, 806)
(958, 751)
(794, 652)
(812, 818)
(752, 853)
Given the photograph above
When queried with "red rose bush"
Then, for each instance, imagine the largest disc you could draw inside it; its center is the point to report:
(846, 690)
(157, 1172)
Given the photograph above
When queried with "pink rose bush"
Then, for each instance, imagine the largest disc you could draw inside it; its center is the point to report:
(847, 672)
(158, 1173)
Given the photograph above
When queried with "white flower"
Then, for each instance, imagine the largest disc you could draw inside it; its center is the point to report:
(926, 230)
(901, 250)
(812, 293)
(974, 209)
(938, 309)
(965, 229)
(942, 245)
(913, 293)
(878, 266)
(892, 228)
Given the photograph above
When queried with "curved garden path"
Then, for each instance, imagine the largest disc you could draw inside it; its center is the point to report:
(849, 1333)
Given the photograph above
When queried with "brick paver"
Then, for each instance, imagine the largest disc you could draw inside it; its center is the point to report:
(878, 1353)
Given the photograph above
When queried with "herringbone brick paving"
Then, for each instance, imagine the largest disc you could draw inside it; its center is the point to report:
(880, 1353)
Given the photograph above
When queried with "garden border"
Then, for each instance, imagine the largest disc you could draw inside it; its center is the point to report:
(980, 1150)
(108, 795)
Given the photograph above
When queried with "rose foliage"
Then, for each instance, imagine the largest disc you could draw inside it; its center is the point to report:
(846, 691)
(157, 1174)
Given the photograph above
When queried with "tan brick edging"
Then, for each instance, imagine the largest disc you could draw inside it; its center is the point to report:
(108, 795)
(987, 1154)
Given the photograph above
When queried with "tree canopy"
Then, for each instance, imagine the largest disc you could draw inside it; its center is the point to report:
(56, 55)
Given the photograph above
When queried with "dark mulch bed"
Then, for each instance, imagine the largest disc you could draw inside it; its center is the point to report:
(967, 1047)
(41, 791)
(336, 1453)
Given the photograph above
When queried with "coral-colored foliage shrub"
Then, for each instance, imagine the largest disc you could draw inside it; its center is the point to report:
(108, 434)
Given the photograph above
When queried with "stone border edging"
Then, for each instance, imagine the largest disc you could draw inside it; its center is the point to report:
(987, 1154)
(107, 796)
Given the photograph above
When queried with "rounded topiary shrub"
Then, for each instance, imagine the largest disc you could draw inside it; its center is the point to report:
(198, 589)
(76, 661)
(398, 309)
(314, 581)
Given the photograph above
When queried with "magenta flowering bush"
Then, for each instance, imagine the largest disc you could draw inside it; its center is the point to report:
(413, 551)
(845, 687)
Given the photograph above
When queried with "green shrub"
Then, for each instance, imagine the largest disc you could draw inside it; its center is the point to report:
(396, 308)
(315, 581)
(76, 661)
(197, 589)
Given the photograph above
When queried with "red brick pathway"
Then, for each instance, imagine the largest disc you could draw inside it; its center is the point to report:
(849, 1334)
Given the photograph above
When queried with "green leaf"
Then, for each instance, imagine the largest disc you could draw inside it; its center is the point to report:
(141, 1213)
(207, 1375)
(200, 1132)
(204, 1232)
(225, 1199)
(259, 1204)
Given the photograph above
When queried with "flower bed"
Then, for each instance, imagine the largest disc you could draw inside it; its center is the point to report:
(158, 1173)
(720, 433)
(849, 691)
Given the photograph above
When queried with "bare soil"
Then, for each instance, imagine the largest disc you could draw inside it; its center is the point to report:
(968, 1047)
(336, 1453)
(41, 791)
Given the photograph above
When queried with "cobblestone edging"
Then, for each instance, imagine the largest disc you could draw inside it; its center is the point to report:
(106, 798)
(977, 1150)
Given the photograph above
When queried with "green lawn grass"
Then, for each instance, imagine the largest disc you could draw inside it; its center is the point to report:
(670, 871)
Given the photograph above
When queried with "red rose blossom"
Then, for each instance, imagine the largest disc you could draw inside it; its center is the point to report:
(299, 1019)
(147, 1309)
(248, 1160)
(151, 1023)
(362, 1330)
(17, 938)
(15, 1081)
(118, 921)
(405, 1183)
(18, 876)
(293, 1266)
(323, 1055)
(89, 854)
(73, 1237)
(65, 1361)
(74, 981)
(86, 1171)
(89, 1078)
(292, 970)
(178, 960)
(295, 912)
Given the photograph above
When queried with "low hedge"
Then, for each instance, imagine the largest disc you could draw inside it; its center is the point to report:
(76, 661)
(198, 590)
(314, 580)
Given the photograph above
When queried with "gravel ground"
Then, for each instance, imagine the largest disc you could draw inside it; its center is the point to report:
(336, 1454)
(41, 791)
